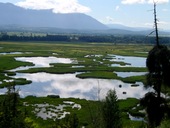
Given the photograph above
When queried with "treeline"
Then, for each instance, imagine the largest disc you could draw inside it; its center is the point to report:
(6, 37)
(135, 39)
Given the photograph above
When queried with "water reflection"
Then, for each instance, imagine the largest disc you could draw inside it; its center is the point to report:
(44, 61)
(133, 61)
(41, 61)
(68, 85)
(136, 118)
(54, 112)
(129, 74)
(13, 53)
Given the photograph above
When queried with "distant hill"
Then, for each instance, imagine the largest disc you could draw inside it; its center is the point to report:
(15, 18)
(120, 26)
(12, 15)
(121, 29)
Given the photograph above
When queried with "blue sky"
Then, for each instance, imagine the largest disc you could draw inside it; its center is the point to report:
(133, 13)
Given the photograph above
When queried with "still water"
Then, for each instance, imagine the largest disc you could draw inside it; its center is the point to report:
(130, 60)
(129, 74)
(68, 85)
(42, 61)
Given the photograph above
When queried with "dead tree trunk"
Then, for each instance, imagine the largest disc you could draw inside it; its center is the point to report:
(156, 25)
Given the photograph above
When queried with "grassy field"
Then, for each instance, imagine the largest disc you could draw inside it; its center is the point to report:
(89, 69)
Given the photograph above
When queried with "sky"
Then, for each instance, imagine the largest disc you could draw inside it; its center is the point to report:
(132, 13)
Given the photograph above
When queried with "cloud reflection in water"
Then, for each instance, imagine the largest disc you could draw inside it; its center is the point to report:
(67, 85)
(41, 62)
(133, 61)
(44, 61)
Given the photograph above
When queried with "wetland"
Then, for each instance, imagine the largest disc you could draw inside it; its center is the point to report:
(80, 73)
(70, 83)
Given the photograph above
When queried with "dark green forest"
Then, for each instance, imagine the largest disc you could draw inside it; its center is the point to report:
(116, 39)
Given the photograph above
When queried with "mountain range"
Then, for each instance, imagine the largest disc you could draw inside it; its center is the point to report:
(14, 15)
(16, 18)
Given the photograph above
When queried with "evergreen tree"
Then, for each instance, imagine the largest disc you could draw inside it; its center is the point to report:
(10, 114)
(158, 64)
(110, 111)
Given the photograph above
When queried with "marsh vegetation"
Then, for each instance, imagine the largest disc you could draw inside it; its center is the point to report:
(79, 74)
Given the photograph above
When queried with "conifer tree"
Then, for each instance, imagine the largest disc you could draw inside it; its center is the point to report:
(158, 64)
(10, 114)
(110, 111)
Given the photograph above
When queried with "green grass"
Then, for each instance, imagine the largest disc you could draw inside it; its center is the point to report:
(83, 114)
(89, 110)
(134, 79)
(8, 63)
(98, 74)
(100, 68)
(125, 105)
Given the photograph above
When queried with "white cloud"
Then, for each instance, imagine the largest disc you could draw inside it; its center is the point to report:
(58, 6)
(110, 20)
(157, 1)
(132, 1)
(149, 24)
(163, 23)
(117, 8)
(144, 1)
(165, 10)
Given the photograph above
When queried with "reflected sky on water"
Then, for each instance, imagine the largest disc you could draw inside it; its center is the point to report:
(44, 61)
(133, 61)
(41, 61)
(10, 53)
(129, 74)
(68, 85)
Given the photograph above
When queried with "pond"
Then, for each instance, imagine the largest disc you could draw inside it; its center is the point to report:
(42, 61)
(13, 53)
(46, 111)
(68, 85)
(136, 118)
(130, 60)
(129, 74)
